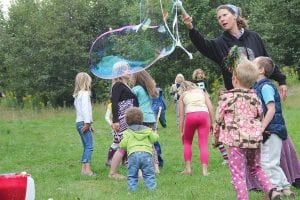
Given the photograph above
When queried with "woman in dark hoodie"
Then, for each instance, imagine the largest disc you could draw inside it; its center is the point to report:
(235, 33)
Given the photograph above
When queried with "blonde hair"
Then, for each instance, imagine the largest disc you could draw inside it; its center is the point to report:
(196, 72)
(241, 22)
(82, 82)
(246, 73)
(266, 63)
(144, 79)
(186, 86)
(179, 78)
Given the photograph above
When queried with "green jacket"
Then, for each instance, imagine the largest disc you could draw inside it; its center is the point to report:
(138, 138)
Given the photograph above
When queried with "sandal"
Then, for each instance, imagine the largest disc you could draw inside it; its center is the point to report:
(116, 176)
(274, 195)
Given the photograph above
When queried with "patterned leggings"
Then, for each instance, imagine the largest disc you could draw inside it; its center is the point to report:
(241, 160)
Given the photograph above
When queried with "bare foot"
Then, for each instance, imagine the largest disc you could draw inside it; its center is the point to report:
(186, 172)
(91, 173)
(288, 193)
(274, 195)
(157, 171)
(205, 173)
(205, 170)
(116, 176)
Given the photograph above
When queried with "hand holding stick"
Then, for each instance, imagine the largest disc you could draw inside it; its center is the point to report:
(187, 19)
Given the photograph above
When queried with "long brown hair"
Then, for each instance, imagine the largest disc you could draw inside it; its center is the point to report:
(144, 79)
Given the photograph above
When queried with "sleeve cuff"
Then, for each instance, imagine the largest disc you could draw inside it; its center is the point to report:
(282, 82)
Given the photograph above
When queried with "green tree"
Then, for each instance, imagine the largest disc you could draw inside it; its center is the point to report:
(278, 23)
(21, 45)
(3, 38)
(43, 44)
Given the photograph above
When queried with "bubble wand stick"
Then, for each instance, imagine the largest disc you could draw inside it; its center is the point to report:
(178, 3)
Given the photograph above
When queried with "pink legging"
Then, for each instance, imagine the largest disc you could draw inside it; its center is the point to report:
(241, 160)
(196, 121)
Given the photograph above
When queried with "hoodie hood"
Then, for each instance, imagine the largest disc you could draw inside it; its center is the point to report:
(140, 132)
(232, 40)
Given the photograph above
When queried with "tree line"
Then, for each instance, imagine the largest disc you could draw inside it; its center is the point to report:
(44, 44)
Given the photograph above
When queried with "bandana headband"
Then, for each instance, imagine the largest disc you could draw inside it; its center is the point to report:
(235, 10)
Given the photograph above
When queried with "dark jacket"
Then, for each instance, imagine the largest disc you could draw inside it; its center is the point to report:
(121, 92)
(277, 125)
(217, 50)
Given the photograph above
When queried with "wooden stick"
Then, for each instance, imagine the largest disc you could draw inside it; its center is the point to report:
(157, 120)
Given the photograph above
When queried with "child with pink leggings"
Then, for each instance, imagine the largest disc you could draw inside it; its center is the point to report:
(195, 113)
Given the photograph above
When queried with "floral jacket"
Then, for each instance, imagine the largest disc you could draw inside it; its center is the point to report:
(238, 119)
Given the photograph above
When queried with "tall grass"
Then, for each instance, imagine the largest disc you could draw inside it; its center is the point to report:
(45, 144)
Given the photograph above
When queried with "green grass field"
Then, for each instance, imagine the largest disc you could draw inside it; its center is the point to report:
(46, 145)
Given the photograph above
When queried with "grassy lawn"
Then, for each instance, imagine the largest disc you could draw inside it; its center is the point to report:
(46, 145)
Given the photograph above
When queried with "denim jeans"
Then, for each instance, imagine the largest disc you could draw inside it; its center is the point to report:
(144, 161)
(87, 142)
